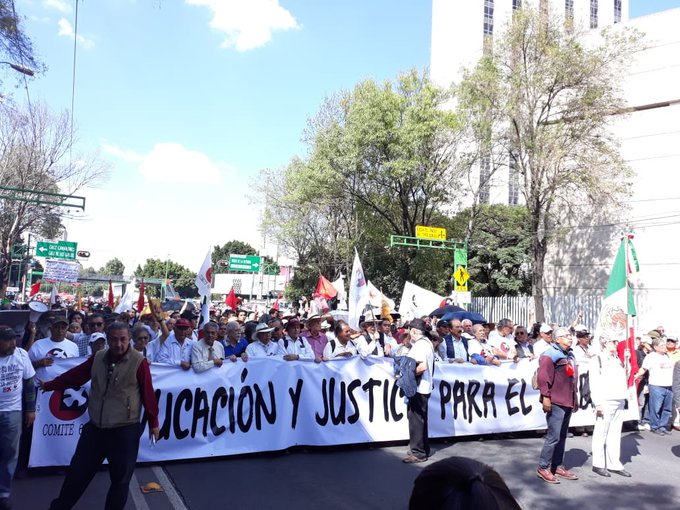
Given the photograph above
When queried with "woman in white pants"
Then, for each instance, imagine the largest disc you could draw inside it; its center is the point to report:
(608, 391)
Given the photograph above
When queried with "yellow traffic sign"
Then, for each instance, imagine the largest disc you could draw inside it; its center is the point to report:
(461, 276)
(436, 233)
(461, 288)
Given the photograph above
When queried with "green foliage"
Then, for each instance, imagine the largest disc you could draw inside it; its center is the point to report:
(182, 278)
(381, 161)
(114, 267)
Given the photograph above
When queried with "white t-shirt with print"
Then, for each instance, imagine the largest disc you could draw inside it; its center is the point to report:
(47, 348)
(13, 370)
(422, 351)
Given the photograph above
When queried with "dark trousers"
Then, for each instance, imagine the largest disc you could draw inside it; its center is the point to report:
(117, 445)
(416, 412)
(552, 453)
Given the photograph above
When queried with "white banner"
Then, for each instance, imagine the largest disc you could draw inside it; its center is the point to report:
(271, 404)
(61, 271)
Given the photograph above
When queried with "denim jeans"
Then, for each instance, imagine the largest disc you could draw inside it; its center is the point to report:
(10, 432)
(660, 400)
(552, 453)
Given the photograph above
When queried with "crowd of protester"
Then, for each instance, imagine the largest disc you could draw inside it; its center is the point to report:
(232, 336)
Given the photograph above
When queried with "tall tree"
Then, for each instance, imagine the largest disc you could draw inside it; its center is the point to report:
(15, 46)
(382, 159)
(35, 146)
(113, 266)
(555, 89)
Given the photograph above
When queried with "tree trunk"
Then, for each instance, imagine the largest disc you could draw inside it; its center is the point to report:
(538, 251)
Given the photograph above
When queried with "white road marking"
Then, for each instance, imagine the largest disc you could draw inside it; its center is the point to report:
(175, 499)
(137, 496)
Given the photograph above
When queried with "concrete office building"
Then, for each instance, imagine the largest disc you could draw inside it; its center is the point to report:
(650, 143)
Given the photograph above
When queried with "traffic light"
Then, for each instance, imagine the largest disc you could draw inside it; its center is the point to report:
(84, 254)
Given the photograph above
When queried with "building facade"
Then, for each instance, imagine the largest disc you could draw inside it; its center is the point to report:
(650, 143)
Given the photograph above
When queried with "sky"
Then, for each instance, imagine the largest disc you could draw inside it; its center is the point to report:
(188, 100)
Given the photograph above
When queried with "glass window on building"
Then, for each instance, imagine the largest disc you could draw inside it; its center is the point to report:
(593, 13)
(516, 4)
(488, 17)
(617, 11)
(569, 11)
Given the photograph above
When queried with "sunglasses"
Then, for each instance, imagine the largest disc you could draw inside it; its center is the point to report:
(96, 323)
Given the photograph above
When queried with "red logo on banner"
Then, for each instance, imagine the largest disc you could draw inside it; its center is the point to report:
(68, 404)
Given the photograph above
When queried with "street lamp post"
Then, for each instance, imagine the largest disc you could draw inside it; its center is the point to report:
(19, 68)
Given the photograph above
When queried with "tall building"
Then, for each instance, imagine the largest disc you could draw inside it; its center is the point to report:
(650, 143)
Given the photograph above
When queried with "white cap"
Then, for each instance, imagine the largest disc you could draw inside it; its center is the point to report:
(97, 336)
(545, 328)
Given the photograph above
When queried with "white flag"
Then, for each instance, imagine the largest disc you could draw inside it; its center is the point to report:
(357, 293)
(171, 293)
(127, 300)
(417, 302)
(339, 285)
(204, 276)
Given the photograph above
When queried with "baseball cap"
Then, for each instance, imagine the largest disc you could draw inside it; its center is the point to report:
(545, 328)
(97, 336)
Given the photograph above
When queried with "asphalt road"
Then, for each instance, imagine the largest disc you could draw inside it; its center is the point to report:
(368, 477)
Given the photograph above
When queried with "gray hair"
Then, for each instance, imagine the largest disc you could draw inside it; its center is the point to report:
(466, 322)
(561, 332)
(210, 325)
(504, 323)
(231, 326)
(657, 341)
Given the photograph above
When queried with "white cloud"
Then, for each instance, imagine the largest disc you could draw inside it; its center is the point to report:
(172, 162)
(248, 24)
(59, 5)
(66, 30)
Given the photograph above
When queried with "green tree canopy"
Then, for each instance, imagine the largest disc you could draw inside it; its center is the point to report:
(183, 280)
(113, 266)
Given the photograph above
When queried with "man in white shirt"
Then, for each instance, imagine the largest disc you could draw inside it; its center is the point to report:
(545, 333)
(467, 329)
(417, 406)
(479, 349)
(262, 345)
(369, 343)
(176, 349)
(342, 346)
(660, 368)
(501, 340)
(293, 346)
(207, 352)
(43, 352)
(16, 381)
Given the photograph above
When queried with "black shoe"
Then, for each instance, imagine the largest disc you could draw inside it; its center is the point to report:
(601, 472)
(621, 472)
(5, 504)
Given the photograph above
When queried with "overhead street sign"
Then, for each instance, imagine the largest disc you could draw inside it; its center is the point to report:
(247, 263)
(431, 233)
(64, 250)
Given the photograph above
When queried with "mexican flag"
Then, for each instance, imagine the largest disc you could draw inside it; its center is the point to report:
(619, 304)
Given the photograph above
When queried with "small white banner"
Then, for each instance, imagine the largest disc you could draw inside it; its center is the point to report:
(271, 404)
(61, 271)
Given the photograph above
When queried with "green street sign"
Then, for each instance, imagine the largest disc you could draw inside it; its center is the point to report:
(247, 263)
(64, 250)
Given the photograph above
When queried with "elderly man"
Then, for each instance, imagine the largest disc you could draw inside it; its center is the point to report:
(262, 345)
(207, 352)
(115, 411)
(557, 382)
(371, 342)
(501, 340)
(479, 349)
(660, 368)
(417, 406)
(235, 346)
(293, 346)
(456, 343)
(315, 337)
(176, 349)
(523, 346)
(467, 329)
(16, 392)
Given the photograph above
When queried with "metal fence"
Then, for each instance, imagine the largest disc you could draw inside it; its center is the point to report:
(562, 310)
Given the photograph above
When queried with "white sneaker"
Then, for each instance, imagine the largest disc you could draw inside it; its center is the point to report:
(644, 426)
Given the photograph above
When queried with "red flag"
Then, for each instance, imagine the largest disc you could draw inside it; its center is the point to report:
(230, 300)
(325, 288)
(140, 300)
(110, 294)
(35, 288)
